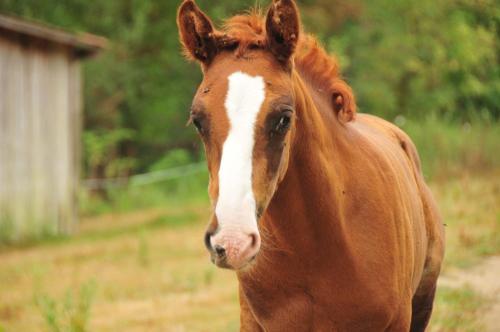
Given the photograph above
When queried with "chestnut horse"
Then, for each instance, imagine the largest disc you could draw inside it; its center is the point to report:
(322, 212)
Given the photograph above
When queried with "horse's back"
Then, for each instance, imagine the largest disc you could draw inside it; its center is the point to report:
(398, 149)
(402, 147)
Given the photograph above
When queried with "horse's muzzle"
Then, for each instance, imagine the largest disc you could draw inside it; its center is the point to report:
(232, 249)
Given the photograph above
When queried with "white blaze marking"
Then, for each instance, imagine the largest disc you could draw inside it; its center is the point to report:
(236, 203)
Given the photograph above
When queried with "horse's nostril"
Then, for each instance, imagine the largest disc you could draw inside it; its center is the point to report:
(254, 237)
(220, 251)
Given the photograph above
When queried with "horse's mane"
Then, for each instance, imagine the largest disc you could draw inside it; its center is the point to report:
(247, 31)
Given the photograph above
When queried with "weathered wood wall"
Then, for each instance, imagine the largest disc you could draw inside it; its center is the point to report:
(39, 138)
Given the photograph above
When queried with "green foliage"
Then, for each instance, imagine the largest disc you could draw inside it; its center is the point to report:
(401, 57)
(417, 58)
(448, 148)
(101, 157)
(173, 158)
(70, 314)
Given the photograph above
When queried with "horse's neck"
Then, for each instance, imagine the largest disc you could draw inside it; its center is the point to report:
(303, 223)
(305, 213)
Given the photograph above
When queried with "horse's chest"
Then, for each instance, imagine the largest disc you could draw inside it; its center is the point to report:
(278, 313)
(300, 309)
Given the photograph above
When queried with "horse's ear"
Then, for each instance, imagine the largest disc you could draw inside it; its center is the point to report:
(196, 33)
(282, 28)
(343, 102)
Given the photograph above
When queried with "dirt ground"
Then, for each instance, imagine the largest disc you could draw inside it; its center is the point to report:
(484, 279)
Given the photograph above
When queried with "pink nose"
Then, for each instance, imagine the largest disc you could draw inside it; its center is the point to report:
(234, 249)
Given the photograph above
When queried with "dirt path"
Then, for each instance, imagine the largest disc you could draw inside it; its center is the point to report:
(484, 279)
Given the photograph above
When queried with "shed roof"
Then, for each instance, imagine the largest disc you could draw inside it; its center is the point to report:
(84, 44)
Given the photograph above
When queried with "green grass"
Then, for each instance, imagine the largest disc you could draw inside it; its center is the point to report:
(167, 220)
(470, 210)
(143, 245)
(69, 314)
(170, 216)
(458, 310)
(448, 149)
(189, 189)
(151, 267)
(153, 272)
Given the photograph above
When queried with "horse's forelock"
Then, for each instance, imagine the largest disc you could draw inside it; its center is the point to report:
(248, 31)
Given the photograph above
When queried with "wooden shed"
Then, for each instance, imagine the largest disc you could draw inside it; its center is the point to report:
(40, 127)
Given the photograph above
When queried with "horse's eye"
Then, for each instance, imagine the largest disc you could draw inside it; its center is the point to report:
(283, 123)
(197, 124)
(198, 119)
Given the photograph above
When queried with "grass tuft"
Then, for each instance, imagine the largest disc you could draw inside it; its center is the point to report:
(70, 314)
(458, 310)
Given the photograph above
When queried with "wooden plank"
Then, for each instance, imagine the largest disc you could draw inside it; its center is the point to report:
(22, 143)
(50, 147)
(32, 199)
(37, 139)
(61, 128)
(11, 144)
(75, 129)
(4, 57)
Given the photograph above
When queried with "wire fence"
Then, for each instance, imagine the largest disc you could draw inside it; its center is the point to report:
(145, 178)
